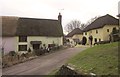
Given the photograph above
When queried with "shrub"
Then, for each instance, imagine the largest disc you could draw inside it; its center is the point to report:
(12, 53)
(29, 50)
(102, 42)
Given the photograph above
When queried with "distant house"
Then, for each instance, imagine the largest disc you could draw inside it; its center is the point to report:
(19, 34)
(75, 35)
(101, 28)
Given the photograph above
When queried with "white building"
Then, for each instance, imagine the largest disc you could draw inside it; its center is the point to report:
(19, 34)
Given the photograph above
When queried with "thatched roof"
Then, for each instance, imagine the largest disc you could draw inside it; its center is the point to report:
(101, 22)
(75, 31)
(9, 25)
(13, 26)
(39, 27)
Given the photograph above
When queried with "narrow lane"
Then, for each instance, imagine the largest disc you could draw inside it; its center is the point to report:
(43, 65)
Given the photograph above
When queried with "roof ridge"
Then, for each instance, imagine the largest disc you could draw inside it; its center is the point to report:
(37, 18)
(106, 19)
(10, 16)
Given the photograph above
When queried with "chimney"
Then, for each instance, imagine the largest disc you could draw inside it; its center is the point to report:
(60, 18)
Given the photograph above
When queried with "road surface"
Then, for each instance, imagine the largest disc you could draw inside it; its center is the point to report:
(43, 65)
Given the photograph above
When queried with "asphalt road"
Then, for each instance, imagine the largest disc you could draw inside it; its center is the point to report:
(42, 65)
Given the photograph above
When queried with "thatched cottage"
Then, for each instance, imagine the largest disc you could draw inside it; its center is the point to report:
(19, 34)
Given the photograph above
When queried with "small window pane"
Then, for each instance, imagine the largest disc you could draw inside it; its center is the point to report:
(22, 38)
(99, 40)
(96, 31)
(107, 30)
(22, 48)
(95, 40)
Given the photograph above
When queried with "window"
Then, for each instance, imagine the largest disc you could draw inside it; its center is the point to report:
(85, 33)
(99, 39)
(114, 31)
(22, 48)
(107, 30)
(36, 46)
(95, 40)
(22, 38)
(96, 31)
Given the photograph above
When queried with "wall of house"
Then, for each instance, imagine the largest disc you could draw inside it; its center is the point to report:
(105, 33)
(98, 36)
(102, 34)
(87, 34)
(77, 36)
(45, 40)
(9, 44)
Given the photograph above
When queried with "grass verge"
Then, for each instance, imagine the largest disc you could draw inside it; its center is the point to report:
(100, 60)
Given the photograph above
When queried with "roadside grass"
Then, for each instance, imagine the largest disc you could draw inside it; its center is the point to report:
(100, 60)
(53, 73)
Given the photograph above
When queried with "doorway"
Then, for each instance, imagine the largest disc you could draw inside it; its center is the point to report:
(36, 46)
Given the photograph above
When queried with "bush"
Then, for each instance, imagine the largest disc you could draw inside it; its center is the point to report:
(29, 50)
(38, 52)
(115, 37)
(12, 53)
(102, 42)
(114, 31)
(24, 55)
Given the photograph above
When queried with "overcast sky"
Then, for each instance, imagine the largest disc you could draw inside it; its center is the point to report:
(81, 10)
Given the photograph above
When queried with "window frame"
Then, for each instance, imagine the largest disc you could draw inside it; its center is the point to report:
(99, 39)
(95, 40)
(108, 30)
(22, 38)
(96, 31)
(21, 46)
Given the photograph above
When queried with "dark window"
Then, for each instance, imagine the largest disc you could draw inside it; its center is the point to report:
(99, 39)
(22, 38)
(107, 30)
(22, 48)
(36, 46)
(95, 40)
(114, 31)
(85, 33)
(96, 31)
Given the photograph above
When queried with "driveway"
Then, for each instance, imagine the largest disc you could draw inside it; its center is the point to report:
(43, 65)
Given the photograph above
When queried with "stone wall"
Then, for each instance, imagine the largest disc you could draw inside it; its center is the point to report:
(69, 71)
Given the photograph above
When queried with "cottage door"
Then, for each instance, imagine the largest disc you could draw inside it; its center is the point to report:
(36, 46)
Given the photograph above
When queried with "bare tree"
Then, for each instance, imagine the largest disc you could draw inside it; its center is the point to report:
(72, 25)
(77, 24)
(83, 26)
(92, 20)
